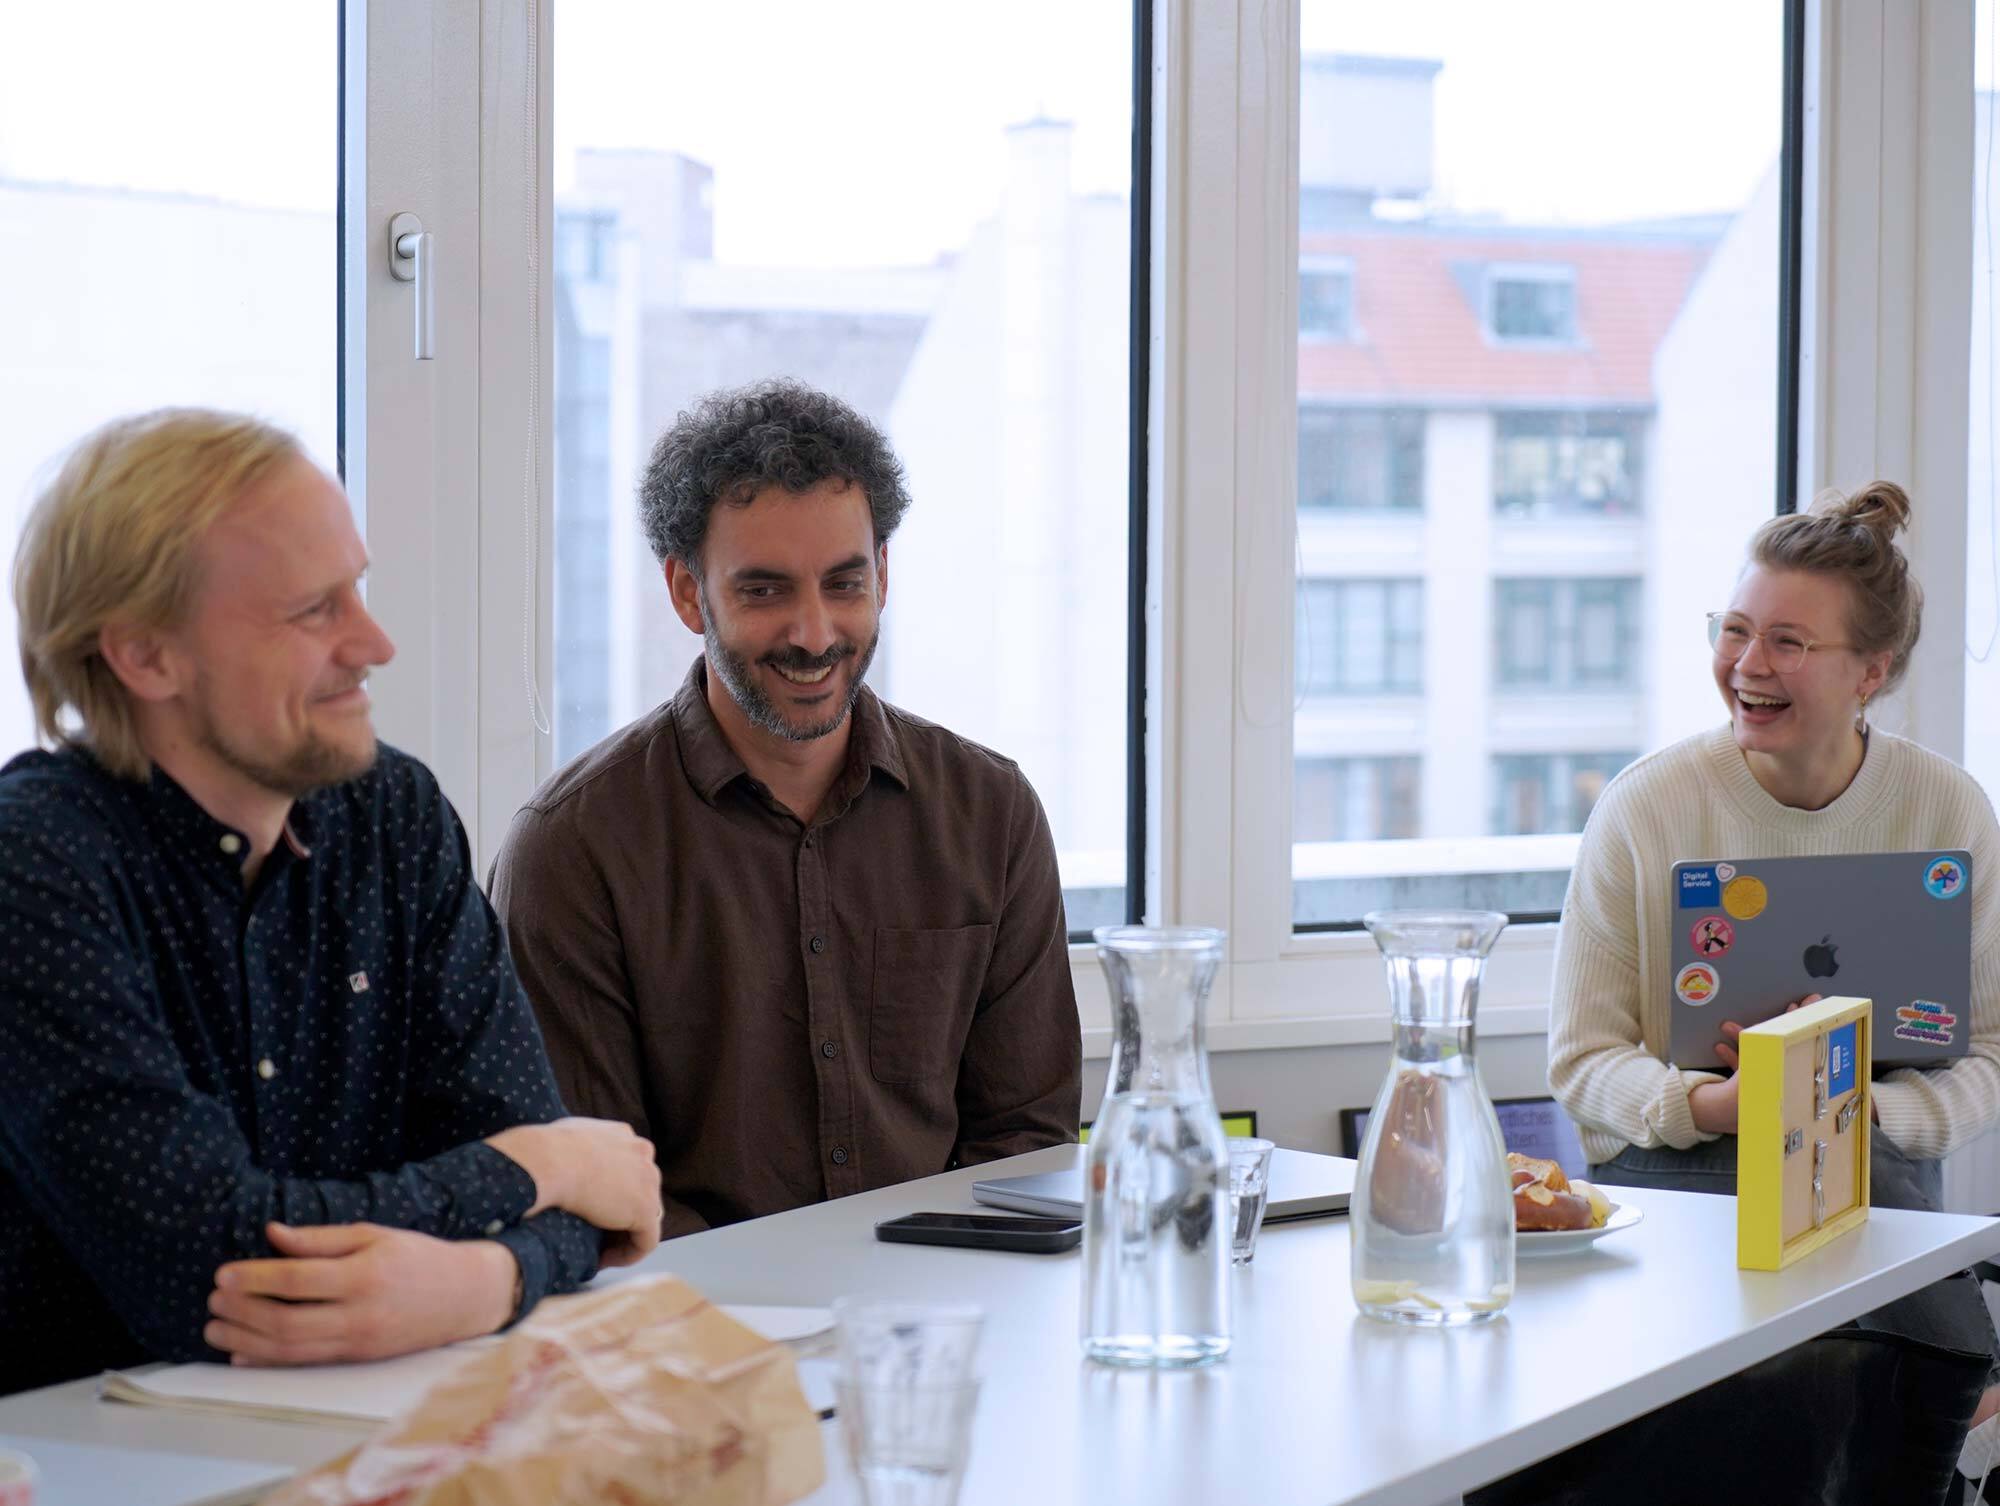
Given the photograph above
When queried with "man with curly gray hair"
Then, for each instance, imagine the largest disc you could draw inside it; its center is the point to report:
(807, 942)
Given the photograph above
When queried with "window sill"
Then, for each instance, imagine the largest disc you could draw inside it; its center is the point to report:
(1255, 1005)
(1307, 1032)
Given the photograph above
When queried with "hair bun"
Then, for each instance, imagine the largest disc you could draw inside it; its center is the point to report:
(1881, 506)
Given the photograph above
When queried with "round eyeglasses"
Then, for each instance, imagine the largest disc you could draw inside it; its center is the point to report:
(1730, 634)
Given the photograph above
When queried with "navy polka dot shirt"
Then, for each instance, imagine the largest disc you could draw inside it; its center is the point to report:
(183, 1060)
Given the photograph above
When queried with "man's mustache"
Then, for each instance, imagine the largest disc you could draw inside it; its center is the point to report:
(799, 661)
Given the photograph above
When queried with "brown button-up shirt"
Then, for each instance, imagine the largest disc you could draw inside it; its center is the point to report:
(796, 1012)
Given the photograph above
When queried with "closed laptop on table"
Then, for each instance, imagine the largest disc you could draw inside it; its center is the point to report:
(1751, 935)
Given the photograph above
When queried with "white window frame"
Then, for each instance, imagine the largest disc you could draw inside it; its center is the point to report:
(1884, 391)
(1887, 274)
(435, 95)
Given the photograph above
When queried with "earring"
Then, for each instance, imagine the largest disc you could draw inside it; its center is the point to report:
(1864, 708)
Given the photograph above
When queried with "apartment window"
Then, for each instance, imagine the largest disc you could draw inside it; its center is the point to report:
(1326, 299)
(1531, 303)
(965, 286)
(1560, 635)
(1567, 464)
(1355, 799)
(1360, 637)
(1549, 793)
(1366, 459)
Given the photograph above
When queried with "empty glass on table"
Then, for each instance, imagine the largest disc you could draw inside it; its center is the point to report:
(1249, 1189)
(906, 1396)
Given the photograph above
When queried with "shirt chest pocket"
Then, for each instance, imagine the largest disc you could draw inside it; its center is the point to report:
(926, 986)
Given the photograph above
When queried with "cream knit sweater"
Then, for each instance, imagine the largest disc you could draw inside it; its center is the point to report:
(1698, 799)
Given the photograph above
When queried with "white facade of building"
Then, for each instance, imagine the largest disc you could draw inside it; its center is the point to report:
(118, 301)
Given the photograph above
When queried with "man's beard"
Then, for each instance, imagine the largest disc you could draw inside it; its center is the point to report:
(739, 678)
(309, 765)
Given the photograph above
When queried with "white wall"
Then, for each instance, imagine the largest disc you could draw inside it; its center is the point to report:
(1714, 464)
(1006, 582)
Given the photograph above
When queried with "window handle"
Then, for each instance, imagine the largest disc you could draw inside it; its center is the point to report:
(413, 259)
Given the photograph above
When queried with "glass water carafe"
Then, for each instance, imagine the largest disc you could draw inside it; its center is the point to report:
(1432, 1220)
(1156, 1175)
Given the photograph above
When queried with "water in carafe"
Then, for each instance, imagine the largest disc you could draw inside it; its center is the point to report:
(1156, 1174)
(1432, 1218)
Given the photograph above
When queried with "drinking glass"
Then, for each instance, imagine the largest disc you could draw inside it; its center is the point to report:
(908, 1444)
(18, 1477)
(884, 1342)
(1249, 1187)
(906, 1396)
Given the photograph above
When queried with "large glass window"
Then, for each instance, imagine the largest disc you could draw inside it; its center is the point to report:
(727, 211)
(1563, 360)
(155, 248)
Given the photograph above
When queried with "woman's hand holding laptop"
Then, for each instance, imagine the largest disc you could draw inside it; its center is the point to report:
(1713, 1104)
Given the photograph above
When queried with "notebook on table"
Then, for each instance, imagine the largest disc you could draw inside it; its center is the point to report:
(1303, 1185)
(368, 1392)
(1751, 935)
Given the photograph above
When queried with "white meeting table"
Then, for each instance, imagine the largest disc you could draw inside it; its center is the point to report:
(1314, 1406)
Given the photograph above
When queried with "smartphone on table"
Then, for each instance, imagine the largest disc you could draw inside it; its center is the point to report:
(984, 1231)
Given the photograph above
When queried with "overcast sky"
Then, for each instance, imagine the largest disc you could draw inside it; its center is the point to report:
(870, 131)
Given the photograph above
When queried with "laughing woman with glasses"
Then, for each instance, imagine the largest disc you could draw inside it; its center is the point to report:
(1822, 622)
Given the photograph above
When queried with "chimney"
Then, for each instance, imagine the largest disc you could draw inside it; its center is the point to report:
(1364, 133)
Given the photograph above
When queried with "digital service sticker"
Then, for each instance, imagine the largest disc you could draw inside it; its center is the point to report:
(1698, 888)
(1712, 936)
(1944, 878)
(1840, 1060)
(1926, 1023)
(1697, 983)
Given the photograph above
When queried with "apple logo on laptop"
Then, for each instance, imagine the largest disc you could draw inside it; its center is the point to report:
(1819, 959)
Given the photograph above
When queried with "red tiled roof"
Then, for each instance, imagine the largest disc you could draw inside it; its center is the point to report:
(1420, 331)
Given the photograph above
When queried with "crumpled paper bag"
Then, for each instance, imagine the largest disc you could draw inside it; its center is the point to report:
(642, 1395)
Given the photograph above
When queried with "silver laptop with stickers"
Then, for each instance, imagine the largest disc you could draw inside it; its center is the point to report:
(1750, 935)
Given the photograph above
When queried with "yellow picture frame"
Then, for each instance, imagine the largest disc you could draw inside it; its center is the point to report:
(1803, 1127)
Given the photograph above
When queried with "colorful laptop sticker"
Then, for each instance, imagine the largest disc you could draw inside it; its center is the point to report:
(1713, 936)
(1944, 878)
(1697, 983)
(1744, 897)
(1921, 1020)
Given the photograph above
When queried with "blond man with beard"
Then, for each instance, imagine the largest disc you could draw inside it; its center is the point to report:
(274, 1094)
